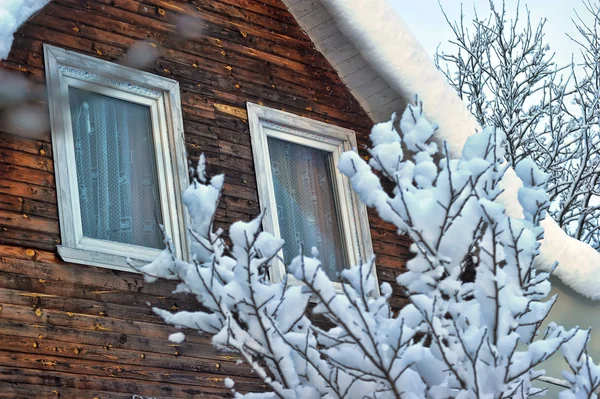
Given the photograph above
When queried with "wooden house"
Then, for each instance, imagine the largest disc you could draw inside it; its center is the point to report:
(74, 321)
(259, 87)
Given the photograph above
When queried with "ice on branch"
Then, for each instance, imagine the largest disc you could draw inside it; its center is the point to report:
(476, 298)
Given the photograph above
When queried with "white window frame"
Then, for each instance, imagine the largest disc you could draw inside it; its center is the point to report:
(267, 122)
(66, 69)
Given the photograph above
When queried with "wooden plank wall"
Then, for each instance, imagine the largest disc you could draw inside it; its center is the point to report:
(72, 331)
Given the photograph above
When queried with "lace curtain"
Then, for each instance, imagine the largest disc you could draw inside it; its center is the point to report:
(306, 210)
(116, 171)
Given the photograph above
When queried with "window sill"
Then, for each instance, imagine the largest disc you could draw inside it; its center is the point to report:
(100, 259)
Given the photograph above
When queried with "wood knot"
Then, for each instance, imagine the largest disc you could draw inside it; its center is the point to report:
(48, 363)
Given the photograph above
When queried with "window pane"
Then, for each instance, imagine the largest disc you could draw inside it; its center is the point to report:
(306, 208)
(116, 171)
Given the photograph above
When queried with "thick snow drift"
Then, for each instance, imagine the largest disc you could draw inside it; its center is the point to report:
(385, 41)
(13, 13)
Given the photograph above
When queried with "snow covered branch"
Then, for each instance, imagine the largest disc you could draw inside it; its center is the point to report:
(457, 338)
(505, 74)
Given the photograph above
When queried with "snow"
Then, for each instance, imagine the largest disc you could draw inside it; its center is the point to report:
(385, 41)
(13, 13)
(554, 381)
(485, 336)
(578, 263)
(177, 337)
(228, 383)
(507, 303)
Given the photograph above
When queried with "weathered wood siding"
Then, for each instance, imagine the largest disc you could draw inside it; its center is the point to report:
(73, 331)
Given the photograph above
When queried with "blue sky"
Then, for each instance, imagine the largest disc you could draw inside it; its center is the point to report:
(427, 22)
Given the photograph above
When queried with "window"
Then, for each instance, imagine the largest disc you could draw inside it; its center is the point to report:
(119, 160)
(306, 200)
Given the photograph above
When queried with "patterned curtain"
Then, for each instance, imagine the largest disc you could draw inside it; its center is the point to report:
(116, 171)
(306, 209)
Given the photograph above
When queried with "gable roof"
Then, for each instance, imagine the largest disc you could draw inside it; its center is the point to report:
(380, 61)
(370, 89)
(367, 39)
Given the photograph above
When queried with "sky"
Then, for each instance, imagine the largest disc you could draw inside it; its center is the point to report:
(425, 19)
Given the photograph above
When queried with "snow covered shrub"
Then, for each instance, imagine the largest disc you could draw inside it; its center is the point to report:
(455, 339)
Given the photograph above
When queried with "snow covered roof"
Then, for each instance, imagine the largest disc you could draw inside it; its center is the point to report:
(371, 90)
(384, 66)
(13, 13)
(365, 39)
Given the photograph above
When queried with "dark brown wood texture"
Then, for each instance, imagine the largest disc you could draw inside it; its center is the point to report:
(73, 331)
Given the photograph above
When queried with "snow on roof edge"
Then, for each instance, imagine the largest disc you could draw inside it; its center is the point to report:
(13, 13)
(385, 41)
